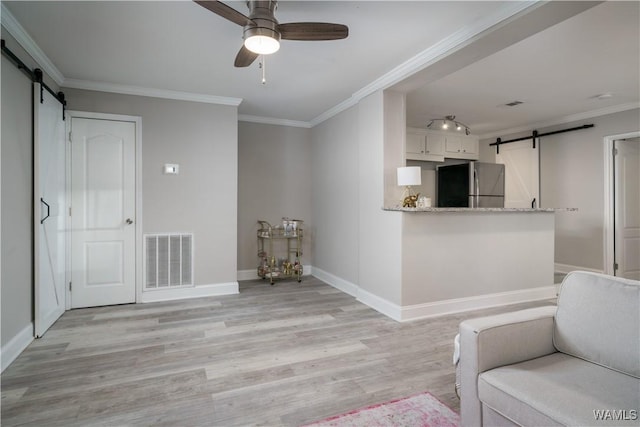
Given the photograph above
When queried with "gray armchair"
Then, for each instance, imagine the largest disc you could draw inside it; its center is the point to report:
(577, 363)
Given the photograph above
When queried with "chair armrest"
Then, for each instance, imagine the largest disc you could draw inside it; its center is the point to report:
(494, 341)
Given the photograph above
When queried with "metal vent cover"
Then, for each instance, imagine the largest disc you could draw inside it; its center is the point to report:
(168, 260)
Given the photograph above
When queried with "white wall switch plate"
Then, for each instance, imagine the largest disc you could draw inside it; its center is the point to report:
(171, 169)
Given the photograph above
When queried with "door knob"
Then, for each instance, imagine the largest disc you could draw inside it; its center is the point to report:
(128, 221)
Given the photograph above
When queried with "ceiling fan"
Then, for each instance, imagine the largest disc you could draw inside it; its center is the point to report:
(262, 32)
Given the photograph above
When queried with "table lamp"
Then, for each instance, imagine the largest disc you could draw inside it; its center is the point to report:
(408, 176)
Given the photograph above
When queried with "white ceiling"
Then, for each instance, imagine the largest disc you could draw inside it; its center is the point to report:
(180, 46)
(556, 73)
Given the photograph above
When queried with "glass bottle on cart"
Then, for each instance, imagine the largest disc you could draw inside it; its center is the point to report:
(280, 249)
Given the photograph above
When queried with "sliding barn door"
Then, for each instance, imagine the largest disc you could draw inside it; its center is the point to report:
(522, 174)
(49, 209)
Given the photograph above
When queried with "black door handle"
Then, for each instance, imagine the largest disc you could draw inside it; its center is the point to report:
(533, 203)
(48, 210)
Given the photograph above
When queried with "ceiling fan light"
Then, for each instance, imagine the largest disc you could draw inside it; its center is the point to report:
(262, 45)
(445, 125)
(458, 126)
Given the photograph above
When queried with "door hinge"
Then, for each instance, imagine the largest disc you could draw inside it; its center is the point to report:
(615, 151)
(69, 210)
(69, 136)
(69, 286)
(615, 266)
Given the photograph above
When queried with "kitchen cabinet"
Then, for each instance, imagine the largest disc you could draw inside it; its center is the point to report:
(435, 146)
(422, 145)
(462, 147)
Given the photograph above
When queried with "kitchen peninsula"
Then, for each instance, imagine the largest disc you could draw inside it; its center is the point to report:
(456, 259)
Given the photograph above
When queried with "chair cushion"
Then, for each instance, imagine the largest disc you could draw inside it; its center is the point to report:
(560, 390)
(598, 319)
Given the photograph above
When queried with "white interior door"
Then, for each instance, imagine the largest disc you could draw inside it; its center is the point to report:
(627, 208)
(522, 174)
(49, 207)
(103, 207)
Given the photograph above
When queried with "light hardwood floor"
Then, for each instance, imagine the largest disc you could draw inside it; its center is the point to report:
(273, 355)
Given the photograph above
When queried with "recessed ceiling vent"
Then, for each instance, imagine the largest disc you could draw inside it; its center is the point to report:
(513, 103)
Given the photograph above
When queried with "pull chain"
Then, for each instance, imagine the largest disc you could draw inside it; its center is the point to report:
(263, 65)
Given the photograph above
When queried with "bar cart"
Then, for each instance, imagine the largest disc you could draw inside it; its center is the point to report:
(280, 249)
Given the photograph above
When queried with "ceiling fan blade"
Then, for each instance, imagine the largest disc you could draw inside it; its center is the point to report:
(225, 11)
(313, 31)
(245, 57)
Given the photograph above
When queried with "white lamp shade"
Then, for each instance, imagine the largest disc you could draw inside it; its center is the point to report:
(410, 175)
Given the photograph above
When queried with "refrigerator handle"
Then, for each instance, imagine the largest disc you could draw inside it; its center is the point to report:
(477, 188)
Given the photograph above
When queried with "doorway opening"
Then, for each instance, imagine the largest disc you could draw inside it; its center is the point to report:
(105, 209)
(622, 205)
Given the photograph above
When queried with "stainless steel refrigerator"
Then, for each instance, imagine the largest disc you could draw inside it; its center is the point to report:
(471, 185)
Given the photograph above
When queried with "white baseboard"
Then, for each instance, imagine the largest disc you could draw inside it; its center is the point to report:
(215, 289)
(566, 268)
(253, 273)
(11, 350)
(381, 305)
(438, 308)
(335, 281)
(460, 305)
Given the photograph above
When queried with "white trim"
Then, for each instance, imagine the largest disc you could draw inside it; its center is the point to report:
(459, 305)
(138, 190)
(437, 308)
(16, 345)
(273, 121)
(336, 109)
(608, 232)
(29, 45)
(247, 275)
(566, 119)
(252, 274)
(335, 281)
(444, 47)
(200, 291)
(381, 305)
(150, 92)
(566, 268)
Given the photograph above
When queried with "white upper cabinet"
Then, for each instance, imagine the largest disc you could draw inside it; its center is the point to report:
(424, 146)
(435, 146)
(462, 147)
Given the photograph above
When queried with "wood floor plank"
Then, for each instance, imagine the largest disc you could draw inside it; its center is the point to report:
(277, 355)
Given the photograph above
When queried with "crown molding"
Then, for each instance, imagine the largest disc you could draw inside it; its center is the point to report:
(444, 47)
(18, 32)
(274, 121)
(344, 105)
(150, 92)
(23, 38)
(563, 120)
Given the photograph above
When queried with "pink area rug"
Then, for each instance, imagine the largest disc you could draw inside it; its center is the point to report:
(421, 410)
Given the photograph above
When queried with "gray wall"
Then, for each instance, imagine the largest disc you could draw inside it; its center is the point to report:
(17, 187)
(335, 198)
(274, 181)
(380, 231)
(357, 243)
(571, 175)
(202, 139)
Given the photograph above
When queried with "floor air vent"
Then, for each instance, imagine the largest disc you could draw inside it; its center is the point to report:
(168, 260)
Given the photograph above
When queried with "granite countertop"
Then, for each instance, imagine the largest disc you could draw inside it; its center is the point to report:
(436, 210)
